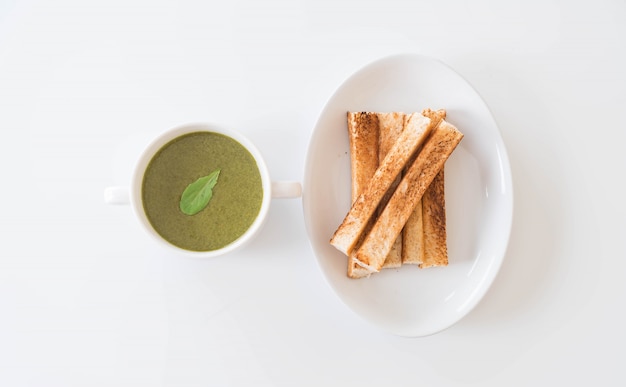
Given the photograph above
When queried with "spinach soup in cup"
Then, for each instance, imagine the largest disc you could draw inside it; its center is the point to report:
(202, 189)
(225, 186)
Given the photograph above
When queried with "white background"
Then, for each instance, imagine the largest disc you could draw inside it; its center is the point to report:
(87, 299)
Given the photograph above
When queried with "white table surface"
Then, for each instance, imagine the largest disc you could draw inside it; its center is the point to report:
(87, 299)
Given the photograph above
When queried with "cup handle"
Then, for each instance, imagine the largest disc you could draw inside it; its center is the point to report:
(286, 189)
(116, 195)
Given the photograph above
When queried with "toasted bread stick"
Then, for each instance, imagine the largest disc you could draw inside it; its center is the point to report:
(413, 231)
(390, 126)
(363, 128)
(434, 218)
(378, 242)
(413, 238)
(351, 229)
(363, 133)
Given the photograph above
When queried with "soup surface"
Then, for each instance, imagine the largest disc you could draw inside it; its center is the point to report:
(236, 199)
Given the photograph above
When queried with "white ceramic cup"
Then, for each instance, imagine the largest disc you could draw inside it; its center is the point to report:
(132, 195)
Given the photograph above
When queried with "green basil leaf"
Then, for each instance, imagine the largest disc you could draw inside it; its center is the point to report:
(197, 194)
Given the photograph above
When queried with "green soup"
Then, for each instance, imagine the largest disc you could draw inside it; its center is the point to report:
(236, 199)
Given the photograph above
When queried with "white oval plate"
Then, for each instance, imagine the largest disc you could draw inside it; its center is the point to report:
(479, 197)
